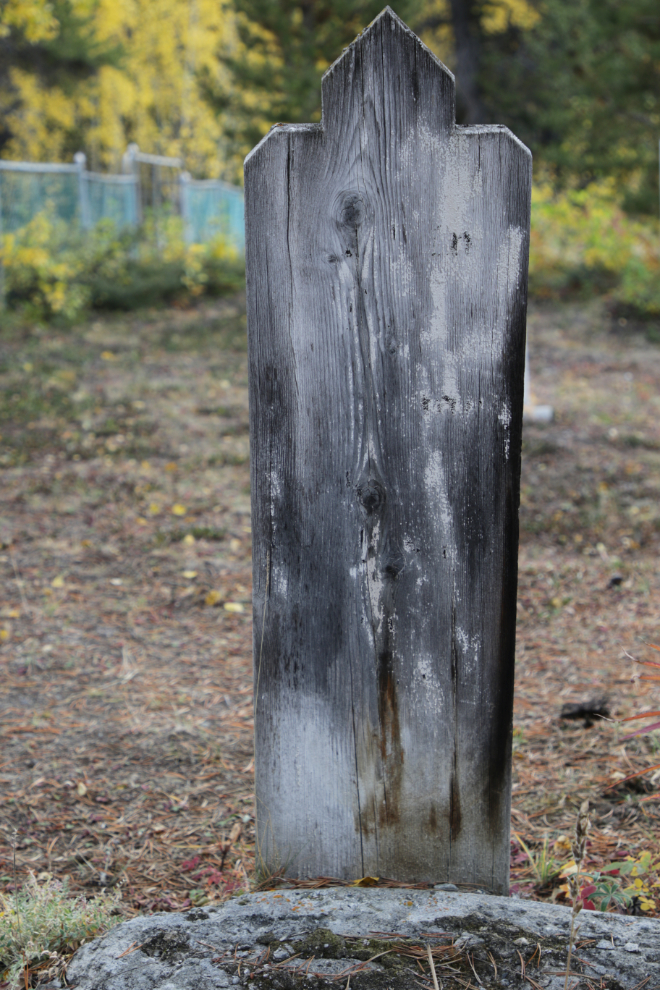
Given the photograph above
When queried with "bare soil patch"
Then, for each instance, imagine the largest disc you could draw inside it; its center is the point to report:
(125, 646)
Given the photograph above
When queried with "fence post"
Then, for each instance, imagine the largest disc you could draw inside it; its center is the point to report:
(131, 166)
(3, 287)
(184, 206)
(80, 159)
(386, 275)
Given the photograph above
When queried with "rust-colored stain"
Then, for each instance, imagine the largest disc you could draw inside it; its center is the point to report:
(391, 751)
(454, 793)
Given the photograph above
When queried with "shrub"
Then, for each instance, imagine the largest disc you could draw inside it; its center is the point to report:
(57, 273)
(41, 926)
(582, 240)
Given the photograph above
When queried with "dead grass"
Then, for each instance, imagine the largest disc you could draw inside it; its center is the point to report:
(127, 715)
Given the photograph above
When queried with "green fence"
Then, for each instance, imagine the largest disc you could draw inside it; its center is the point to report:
(26, 190)
(210, 208)
(82, 198)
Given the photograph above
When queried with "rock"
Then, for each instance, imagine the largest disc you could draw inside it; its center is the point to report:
(290, 939)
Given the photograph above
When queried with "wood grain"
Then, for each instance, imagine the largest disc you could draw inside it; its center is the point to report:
(386, 271)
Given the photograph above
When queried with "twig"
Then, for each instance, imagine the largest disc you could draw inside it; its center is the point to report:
(432, 966)
(133, 947)
(471, 962)
(579, 849)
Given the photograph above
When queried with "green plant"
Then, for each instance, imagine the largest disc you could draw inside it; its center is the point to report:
(56, 273)
(544, 865)
(581, 240)
(621, 884)
(41, 925)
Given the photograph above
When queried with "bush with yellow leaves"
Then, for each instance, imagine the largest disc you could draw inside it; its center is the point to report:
(53, 272)
(44, 267)
(582, 239)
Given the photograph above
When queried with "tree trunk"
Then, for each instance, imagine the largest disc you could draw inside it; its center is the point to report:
(466, 24)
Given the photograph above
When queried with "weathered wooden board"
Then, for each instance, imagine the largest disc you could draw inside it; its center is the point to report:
(386, 271)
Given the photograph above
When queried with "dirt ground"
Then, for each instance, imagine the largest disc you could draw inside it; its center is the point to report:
(125, 627)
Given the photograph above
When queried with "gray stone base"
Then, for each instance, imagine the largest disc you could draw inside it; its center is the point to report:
(307, 939)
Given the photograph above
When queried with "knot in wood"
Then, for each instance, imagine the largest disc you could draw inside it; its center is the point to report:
(352, 210)
(372, 496)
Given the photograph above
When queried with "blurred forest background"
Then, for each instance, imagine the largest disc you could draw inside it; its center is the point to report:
(577, 80)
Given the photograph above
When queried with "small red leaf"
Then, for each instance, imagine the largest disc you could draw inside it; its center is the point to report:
(190, 864)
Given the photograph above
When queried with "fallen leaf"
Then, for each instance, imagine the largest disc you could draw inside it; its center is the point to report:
(213, 598)
(141, 521)
(190, 864)
(108, 356)
(171, 466)
(234, 607)
(561, 845)
(365, 882)
(178, 509)
(235, 833)
(57, 582)
(81, 788)
(4, 634)
(189, 539)
(154, 509)
(190, 574)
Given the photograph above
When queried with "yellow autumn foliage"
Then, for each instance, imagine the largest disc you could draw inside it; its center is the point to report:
(501, 14)
(497, 16)
(52, 272)
(583, 237)
(34, 17)
(151, 97)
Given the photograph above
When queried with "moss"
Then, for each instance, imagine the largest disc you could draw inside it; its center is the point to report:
(166, 946)
(323, 944)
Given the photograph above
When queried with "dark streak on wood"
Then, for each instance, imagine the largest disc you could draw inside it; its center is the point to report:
(386, 261)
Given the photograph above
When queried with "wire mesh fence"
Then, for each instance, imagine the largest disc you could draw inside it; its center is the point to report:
(109, 197)
(211, 208)
(149, 184)
(27, 189)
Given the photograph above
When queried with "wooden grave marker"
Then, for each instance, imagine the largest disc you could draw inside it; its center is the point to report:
(386, 278)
